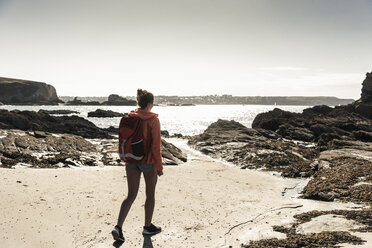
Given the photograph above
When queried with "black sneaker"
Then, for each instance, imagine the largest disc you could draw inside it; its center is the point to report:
(151, 230)
(117, 234)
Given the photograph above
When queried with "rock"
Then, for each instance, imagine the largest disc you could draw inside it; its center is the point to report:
(297, 133)
(366, 96)
(320, 109)
(164, 133)
(345, 177)
(104, 113)
(117, 100)
(47, 152)
(112, 130)
(41, 121)
(59, 112)
(177, 135)
(255, 148)
(171, 154)
(272, 119)
(1, 103)
(319, 124)
(77, 102)
(25, 92)
(363, 106)
(362, 135)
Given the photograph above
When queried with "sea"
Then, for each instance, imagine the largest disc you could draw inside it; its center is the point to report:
(185, 120)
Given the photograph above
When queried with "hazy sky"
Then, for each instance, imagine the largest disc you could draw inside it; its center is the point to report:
(189, 47)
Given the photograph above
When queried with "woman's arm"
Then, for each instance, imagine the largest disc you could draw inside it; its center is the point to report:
(156, 145)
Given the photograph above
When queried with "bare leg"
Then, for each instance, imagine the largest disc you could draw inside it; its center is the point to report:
(151, 178)
(133, 179)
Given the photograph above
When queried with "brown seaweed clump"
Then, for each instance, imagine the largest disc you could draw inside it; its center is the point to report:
(323, 239)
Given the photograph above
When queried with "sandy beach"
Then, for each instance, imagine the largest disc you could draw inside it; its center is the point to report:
(197, 205)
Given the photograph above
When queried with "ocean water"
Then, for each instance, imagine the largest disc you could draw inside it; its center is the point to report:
(187, 120)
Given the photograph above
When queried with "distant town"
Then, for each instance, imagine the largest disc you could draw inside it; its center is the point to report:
(229, 99)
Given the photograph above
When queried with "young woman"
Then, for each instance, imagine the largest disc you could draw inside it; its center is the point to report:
(151, 167)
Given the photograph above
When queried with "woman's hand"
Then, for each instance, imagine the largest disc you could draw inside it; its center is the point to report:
(160, 173)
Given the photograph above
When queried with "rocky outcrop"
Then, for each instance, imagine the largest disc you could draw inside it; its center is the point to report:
(59, 112)
(171, 154)
(77, 102)
(16, 91)
(328, 127)
(104, 113)
(46, 150)
(40, 149)
(42, 121)
(346, 178)
(256, 149)
(366, 95)
(364, 105)
(113, 100)
(341, 171)
(117, 100)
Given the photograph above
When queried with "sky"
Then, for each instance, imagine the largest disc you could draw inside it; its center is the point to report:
(189, 47)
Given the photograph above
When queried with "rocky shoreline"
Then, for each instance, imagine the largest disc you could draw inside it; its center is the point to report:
(38, 139)
(331, 146)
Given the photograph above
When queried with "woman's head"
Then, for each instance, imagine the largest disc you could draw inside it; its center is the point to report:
(144, 98)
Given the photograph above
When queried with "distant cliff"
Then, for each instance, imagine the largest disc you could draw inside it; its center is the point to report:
(17, 91)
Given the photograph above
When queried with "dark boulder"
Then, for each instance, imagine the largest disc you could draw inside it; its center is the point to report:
(171, 154)
(104, 113)
(320, 109)
(316, 124)
(366, 96)
(364, 105)
(117, 100)
(59, 112)
(41, 121)
(272, 119)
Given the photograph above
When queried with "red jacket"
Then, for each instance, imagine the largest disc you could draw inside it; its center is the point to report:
(151, 134)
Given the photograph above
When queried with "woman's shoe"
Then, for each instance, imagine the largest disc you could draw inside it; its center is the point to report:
(117, 234)
(151, 230)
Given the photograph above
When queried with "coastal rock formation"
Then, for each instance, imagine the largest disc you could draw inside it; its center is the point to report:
(341, 171)
(364, 105)
(42, 121)
(16, 91)
(171, 154)
(47, 150)
(328, 127)
(366, 96)
(104, 113)
(59, 112)
(256, 148)
(113, 100)
(117, 100)
(64, 135)
(40, 149)
(77, 102)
